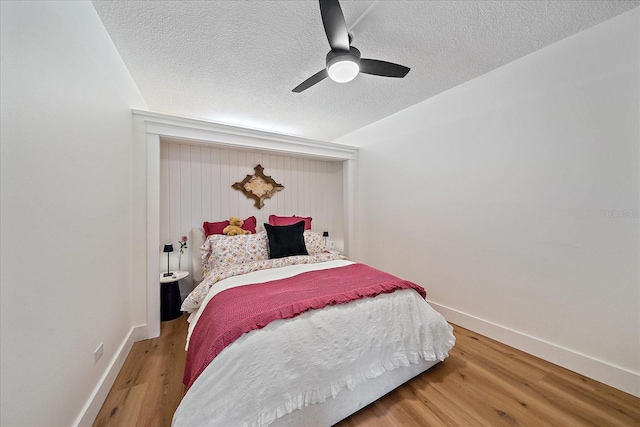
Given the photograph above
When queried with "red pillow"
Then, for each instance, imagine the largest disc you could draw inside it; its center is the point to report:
(288, 220)
(250, 224)
(217, 227)
(214, 227)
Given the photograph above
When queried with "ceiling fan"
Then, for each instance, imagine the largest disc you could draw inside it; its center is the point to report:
(343, 60)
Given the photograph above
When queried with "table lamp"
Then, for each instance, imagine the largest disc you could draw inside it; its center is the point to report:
(168, 248)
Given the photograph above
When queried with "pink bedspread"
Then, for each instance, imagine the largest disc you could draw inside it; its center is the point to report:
(239, 310)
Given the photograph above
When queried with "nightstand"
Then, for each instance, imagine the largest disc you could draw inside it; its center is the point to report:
(170, 300)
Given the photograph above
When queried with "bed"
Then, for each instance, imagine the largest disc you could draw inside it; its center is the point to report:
(313, 364)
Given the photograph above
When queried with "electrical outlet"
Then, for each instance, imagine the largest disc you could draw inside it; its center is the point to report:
(97, 354)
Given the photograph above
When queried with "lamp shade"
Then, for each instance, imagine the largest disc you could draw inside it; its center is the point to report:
(325, 234)
(168, 247)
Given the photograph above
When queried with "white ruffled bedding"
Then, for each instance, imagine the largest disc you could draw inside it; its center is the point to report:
(293, 363)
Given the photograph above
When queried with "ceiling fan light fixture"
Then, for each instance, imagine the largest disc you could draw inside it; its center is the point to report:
(343, 67)
(343, 71)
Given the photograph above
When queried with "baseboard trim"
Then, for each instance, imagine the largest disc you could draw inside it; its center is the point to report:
(598, 370)
(94, 403)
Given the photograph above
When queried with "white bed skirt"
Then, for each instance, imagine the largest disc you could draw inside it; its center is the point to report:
(348, 401)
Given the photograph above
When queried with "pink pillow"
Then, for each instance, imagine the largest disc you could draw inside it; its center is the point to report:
(217, 227)
(288, 220)
(250, 224)
(214, 227)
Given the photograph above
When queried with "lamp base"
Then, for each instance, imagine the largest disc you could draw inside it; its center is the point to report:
(167, 274)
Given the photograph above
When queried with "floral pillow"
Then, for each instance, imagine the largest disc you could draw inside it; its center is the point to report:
(221, 251)
(314, 242)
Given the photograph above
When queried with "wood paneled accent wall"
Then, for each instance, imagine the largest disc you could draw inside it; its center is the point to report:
(195, 186)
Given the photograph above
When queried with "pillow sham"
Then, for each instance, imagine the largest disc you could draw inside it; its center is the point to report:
(217, 227)
(286, 240)
(314, 242)
(250, 224)
(214, 227)
(220, 250)
(289, 220)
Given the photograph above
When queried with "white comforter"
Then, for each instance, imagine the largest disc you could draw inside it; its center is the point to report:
(293, 363)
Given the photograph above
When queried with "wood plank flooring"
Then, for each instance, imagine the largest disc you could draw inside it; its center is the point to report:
(149, 387)
(482, 383)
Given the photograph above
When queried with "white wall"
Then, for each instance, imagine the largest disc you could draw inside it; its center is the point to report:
(66, 205)
(514, 200)
(196, 181)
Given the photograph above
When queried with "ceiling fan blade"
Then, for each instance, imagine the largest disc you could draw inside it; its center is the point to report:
(382, 68)
(316, 78)
(334, 24)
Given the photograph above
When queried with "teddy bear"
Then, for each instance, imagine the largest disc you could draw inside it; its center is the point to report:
(235, 227)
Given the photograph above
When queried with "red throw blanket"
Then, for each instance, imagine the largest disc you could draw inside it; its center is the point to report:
(236, 311)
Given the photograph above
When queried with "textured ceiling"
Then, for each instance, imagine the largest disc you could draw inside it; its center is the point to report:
(235, 62)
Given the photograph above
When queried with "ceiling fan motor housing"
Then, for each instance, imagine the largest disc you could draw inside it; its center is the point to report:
(343, 66)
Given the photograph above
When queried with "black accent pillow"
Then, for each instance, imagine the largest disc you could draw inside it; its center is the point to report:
(286, 240)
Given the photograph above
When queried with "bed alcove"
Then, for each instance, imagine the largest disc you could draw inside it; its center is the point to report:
(150, 128)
